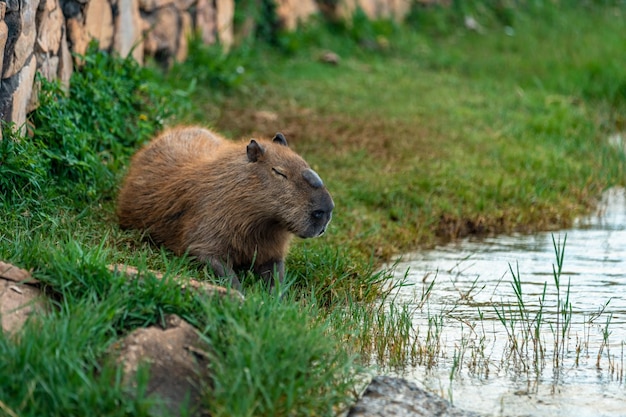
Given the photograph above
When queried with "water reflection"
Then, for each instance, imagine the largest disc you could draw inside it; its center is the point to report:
(479, 367)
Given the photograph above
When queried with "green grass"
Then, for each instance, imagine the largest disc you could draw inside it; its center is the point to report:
(423, 134)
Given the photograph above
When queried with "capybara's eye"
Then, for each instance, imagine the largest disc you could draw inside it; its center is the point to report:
(279, 172)
(318, 214)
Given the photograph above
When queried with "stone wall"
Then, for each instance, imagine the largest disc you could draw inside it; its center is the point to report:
(47, 36)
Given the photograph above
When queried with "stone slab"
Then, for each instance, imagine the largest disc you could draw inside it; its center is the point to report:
(21, 37)
(390, 396)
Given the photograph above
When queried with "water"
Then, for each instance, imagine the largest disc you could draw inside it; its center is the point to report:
(475, 364)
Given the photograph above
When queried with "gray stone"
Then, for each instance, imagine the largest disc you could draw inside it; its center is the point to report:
(48, 65)
(205, 21)
(292, 12)
(151, 5)
(389, 396)
(161, 40)
(66, 65)
(128, 37)
(17, 303)
(13, 5)
(178, 364)
(72, 9)
(18, 299)
(21, 36)
(186, 31)
(99, 22)
(50, 27)
(78, 37)
(184, 5)
(4, 33)
(15, 94)
(224, 21)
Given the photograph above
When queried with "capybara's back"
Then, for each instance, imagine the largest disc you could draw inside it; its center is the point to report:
(232, 205)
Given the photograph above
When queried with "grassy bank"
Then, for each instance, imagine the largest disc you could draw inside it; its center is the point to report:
(422, 133)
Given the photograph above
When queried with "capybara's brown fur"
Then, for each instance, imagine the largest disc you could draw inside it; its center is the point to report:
(234, 205)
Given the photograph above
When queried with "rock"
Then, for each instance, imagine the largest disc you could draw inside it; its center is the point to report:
(224, 22)
(128, 38)
(18, 300)
(161, 40)
(399, 9)
(50, 27)
(149, 6)
(373, 9)
(99, 22)
(204, 21)
(4, 33)
(66, 66)
(15, 94)
(13, 5)
(48, 66)
(178, 364)
(184, 5)
(16, 274)
(22, 32)
(293, 12)
(389, 396)
(17, 303)
(78, 38)
(330, 57)
(72, 9)
(186, 31)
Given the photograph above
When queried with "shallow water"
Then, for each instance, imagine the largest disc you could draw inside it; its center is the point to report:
(476, 364)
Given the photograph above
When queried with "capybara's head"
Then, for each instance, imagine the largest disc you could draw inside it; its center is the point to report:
(294, 194)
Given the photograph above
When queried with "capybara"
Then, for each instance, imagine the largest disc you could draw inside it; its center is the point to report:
(233, 205)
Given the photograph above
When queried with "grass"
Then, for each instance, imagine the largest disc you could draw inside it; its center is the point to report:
(423, 134)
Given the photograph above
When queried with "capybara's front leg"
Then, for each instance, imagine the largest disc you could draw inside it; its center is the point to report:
(222, 269)
(272, 272)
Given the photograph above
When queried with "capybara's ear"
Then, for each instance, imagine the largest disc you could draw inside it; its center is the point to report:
(280, 139)
(255, 151)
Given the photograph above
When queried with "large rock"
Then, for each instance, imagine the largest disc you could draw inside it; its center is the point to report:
(20, 19)
(204, 21)
(99, 22)
(161, 40)
(128, 38)
(18, 299)
(4, 32)
(389, 396)
(186, 31)
(177, 360)
(373, 9)
(78, 37)
(399, 9)
(224, 22)
(15, 94)
(66, 65)
(51, 29)
(293, 12)
(149, 6)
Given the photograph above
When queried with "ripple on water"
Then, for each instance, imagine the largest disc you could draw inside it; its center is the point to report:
(474, 275)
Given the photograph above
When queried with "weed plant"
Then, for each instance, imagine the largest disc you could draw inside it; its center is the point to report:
(423, 134)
